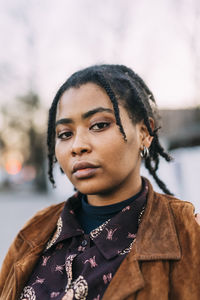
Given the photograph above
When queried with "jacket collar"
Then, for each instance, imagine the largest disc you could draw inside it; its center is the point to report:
(37, 231)
(110, 239)
(156, 240)
(157, 237)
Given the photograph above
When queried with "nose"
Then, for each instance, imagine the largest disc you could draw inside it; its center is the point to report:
(80, 145)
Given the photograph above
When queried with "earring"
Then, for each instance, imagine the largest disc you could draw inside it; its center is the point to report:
(144, 153)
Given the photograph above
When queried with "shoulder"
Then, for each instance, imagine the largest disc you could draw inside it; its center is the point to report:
(178, 207)
(186, 269)
(36, 231)
(38, 227)
(176, 204)
(183, 214)
(162, 200)
(46, 219)
(45, 214)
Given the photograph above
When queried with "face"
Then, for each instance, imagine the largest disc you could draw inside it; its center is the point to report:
(89, 146)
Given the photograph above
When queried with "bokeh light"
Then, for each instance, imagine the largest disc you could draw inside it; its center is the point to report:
(13, 166)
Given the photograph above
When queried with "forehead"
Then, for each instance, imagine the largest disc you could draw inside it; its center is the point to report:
(82, 99)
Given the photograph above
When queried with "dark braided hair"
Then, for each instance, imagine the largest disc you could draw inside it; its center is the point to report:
(124, 85)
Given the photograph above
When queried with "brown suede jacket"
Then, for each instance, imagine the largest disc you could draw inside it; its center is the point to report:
(164, 262)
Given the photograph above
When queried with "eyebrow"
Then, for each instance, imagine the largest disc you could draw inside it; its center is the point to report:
(85, 115)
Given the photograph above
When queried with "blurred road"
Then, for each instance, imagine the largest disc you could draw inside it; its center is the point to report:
(15, 209)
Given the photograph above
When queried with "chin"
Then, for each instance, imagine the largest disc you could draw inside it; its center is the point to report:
(94, 188)
(89, 188)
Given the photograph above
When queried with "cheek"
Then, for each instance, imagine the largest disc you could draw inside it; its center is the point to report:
(62, 153)
(57, 150)
(119, 152)
(132, 152)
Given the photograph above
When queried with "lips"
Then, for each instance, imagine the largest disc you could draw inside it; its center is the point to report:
(84, 169)
(82, 165)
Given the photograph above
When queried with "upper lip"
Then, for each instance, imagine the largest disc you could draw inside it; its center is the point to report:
(79, 165)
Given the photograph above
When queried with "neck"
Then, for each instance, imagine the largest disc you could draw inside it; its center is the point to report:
(116, 196)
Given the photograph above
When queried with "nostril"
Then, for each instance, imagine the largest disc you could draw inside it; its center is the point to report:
(73, 153)
(84, 150)
(80, 150)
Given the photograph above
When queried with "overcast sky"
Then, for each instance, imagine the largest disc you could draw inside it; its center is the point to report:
(43, 41)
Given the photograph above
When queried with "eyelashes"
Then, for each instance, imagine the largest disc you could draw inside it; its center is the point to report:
(100, 126)
(65, 135)
(97, 127)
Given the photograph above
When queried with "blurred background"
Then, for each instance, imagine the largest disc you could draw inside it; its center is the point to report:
(43, 42)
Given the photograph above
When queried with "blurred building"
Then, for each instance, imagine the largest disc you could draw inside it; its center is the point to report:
(180, 134)
(180, 128)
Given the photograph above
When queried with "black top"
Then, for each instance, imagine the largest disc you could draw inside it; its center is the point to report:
(91, 217)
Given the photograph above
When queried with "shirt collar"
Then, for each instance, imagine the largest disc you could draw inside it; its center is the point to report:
(116, 236)
(70, 225)
(112, 237)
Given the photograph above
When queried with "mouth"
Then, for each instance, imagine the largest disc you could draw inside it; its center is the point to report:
(84, 169)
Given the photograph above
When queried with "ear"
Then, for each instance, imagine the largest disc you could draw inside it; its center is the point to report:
(146, 138)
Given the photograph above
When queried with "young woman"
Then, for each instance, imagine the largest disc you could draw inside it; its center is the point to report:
(115, 238)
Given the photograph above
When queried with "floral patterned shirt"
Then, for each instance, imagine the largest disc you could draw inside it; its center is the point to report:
(76, 265)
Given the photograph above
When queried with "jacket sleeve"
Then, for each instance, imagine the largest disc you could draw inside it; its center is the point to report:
(185, 273)
(8, 263)
(15, 252)
(22, 246)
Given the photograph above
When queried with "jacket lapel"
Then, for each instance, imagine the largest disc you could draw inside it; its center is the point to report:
(126, 281)
(157, 237)
(24, 267)
(35, 236)
(156, 240)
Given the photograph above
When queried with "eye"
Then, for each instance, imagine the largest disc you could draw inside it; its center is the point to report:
(64, 135)
(100, 126)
